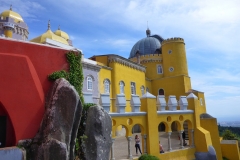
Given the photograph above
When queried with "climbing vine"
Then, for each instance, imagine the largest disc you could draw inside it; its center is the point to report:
(75, 74)
(75, 77)
(81, 137)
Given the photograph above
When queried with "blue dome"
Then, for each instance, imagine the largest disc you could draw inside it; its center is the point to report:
(148, 45)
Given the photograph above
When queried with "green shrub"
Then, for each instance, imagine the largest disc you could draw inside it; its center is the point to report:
(57, 74)
(148, 157)
(224, 158)
(228, 135)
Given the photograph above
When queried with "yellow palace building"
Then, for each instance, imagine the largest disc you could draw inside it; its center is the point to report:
(152, 90)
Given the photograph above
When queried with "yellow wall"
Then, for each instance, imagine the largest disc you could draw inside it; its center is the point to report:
(202, 106)
(151, 72)
(187, 154)
(210, 124)
(230, 151)
(126, 74)
(202, 139)
(8, 33)
(149, 85)
(102, 59)
(105, 73)
(177, 59)
(171, 86)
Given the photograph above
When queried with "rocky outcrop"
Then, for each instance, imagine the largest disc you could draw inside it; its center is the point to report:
(98, 132)
(55, 139)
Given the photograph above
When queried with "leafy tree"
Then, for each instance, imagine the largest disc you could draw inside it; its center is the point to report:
(228, 135)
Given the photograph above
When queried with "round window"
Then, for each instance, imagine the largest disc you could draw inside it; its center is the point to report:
(171, 69)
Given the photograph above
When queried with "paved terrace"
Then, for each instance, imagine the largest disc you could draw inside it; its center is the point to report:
(121, 145)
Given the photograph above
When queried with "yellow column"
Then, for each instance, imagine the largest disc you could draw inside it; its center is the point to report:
(148, 104)
(8, 33)
(202, 137)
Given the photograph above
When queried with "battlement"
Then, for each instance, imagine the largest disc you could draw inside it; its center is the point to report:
(157, 57)
(174, 39)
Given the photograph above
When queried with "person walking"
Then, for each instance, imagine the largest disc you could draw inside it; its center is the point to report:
(137, 144)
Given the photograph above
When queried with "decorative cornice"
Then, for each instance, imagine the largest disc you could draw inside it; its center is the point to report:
(106, 67)
(151, 60)
(91, 66)
(126, 62)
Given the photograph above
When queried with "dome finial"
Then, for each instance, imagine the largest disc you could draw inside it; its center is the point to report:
(49, 25)
(148, 32)
(11, 7)
(59, 27)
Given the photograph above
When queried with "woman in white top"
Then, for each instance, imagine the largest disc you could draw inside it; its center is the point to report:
(137, 144)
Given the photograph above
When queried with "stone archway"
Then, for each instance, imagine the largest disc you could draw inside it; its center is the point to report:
(176, 135)
(188, 130)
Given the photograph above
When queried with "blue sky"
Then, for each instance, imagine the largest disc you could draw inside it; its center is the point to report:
(210, 29)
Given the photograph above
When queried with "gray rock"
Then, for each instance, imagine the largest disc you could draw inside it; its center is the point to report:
(210, 155)
(12, 153)
(98, 132)
(58, 129)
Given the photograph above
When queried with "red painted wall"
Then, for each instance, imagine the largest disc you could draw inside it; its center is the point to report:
(24, 67)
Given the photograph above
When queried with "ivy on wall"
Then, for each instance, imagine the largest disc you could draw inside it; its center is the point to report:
(75, 78)
(75, 74)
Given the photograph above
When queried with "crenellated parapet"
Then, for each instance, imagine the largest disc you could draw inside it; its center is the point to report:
(175, 39)
(148, 58)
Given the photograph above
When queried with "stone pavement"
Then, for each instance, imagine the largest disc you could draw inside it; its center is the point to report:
(121, 145)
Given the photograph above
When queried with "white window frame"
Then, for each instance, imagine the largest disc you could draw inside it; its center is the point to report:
(133, 88)
(121, 85)
(106, 86)
(89, 83)
(159, 69)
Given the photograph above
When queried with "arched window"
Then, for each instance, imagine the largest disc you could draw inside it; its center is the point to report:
(121, 85)
(161, 92)
(133, 88)
(159, 69)
(89, 83)
(142, 90)
(106, 86)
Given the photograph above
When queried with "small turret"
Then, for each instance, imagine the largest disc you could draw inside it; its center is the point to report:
(174, 57)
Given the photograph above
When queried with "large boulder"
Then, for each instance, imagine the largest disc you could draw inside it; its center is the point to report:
(98, 132)
(55, 139)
